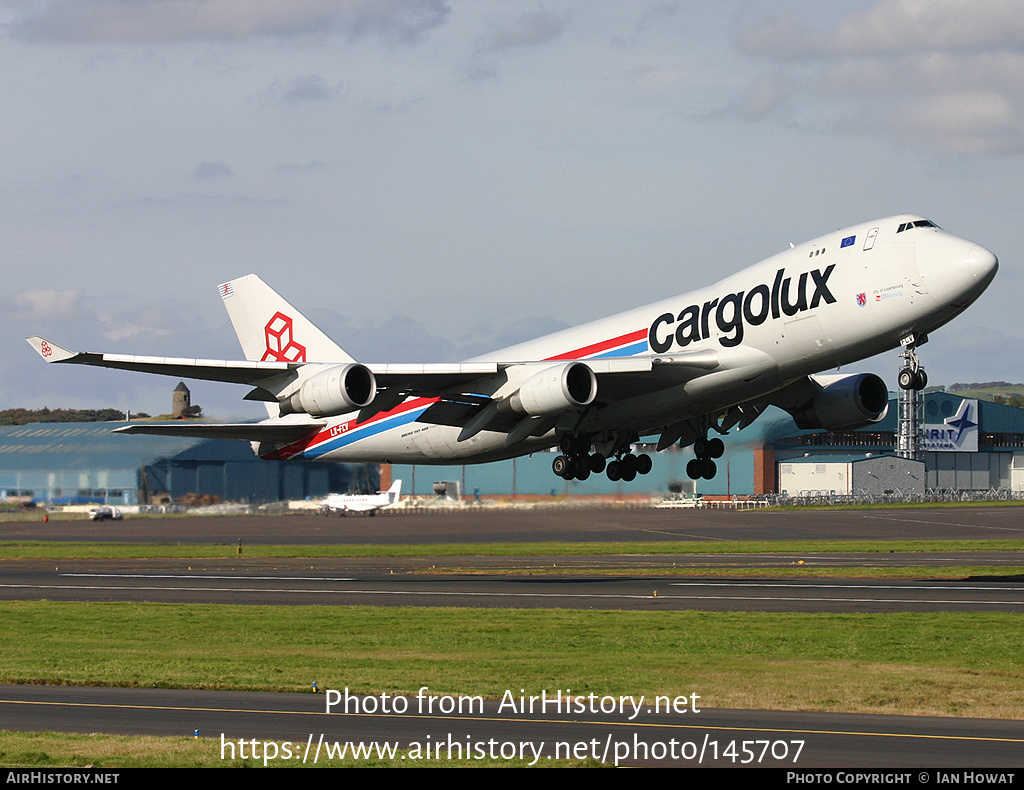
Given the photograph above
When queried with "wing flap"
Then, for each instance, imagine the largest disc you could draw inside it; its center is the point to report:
(243, 431)
(430, 379)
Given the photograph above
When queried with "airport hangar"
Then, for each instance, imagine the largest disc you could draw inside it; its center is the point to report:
(970, 446)
(975, 446)
(73, 463)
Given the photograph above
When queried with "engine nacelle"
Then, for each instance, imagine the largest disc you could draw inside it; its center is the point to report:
(333, 391)
(569, 385)
(846, 403)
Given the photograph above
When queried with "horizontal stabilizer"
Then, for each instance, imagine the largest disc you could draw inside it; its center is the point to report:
(243, 431)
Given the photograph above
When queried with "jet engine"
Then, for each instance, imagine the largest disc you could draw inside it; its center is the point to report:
(555, 389)
(845, 403)
(334, 391)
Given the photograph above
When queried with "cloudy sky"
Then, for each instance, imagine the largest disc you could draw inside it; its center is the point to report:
(428, 179)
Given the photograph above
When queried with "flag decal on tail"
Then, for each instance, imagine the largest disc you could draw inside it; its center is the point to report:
(226, 290)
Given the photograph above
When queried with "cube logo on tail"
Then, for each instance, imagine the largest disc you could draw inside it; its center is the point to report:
(281, 347)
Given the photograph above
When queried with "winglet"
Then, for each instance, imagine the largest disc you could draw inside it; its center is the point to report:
(49, 350)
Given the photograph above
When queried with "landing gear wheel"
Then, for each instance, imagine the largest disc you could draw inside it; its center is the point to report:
(644, 464)
(705, 449)
(597, 463)
(560, 466)
(614, 471)
(920, 379)
(907, 379)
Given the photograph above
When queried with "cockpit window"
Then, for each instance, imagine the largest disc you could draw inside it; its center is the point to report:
(918, 223)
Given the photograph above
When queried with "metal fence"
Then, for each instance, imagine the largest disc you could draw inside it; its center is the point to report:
(896, 497)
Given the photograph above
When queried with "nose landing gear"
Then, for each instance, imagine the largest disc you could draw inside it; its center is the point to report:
(912, 375)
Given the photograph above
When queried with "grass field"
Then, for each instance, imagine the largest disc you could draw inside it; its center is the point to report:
(14, 550)
(941, 664)
(120, 751)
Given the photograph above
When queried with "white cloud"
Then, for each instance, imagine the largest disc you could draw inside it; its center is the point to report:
(312, 166)
(121, 331)
(47, 303)
(945, 74)
(764, 96)
(896, 26)
(973, 123)
(298, 90)
(176, 20)
(206, 170)
(529, 30)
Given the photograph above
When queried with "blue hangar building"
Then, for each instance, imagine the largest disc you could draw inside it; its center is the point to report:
(64, 463)
(970, 445)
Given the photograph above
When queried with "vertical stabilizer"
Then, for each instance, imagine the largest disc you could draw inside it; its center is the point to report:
(271, 329)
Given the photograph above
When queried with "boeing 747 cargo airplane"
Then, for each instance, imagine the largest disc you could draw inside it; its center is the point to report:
(708, 361)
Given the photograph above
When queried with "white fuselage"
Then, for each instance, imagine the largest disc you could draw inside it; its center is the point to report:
(355, 503)
(832, 301)
(362, 503)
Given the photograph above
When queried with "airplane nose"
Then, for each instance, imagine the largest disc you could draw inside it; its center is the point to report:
(982, 263)
(953, 268)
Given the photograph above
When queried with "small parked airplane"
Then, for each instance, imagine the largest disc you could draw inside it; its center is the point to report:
(343, 504)
(710, 360)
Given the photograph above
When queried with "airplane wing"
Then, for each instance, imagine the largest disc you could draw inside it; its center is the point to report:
(421, 378)
(470, 395)
(425, 378)
(245, 431)
(231, 371)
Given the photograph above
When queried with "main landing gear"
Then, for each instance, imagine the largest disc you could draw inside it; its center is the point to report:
(627, 466)
(912, 375)
(578, 463)
(703, 466)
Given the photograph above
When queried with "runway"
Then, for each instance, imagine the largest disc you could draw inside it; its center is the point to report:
(490, 525)
(710, 737)
(536, 582)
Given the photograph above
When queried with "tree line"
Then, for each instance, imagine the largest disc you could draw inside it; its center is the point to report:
(25, 416)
